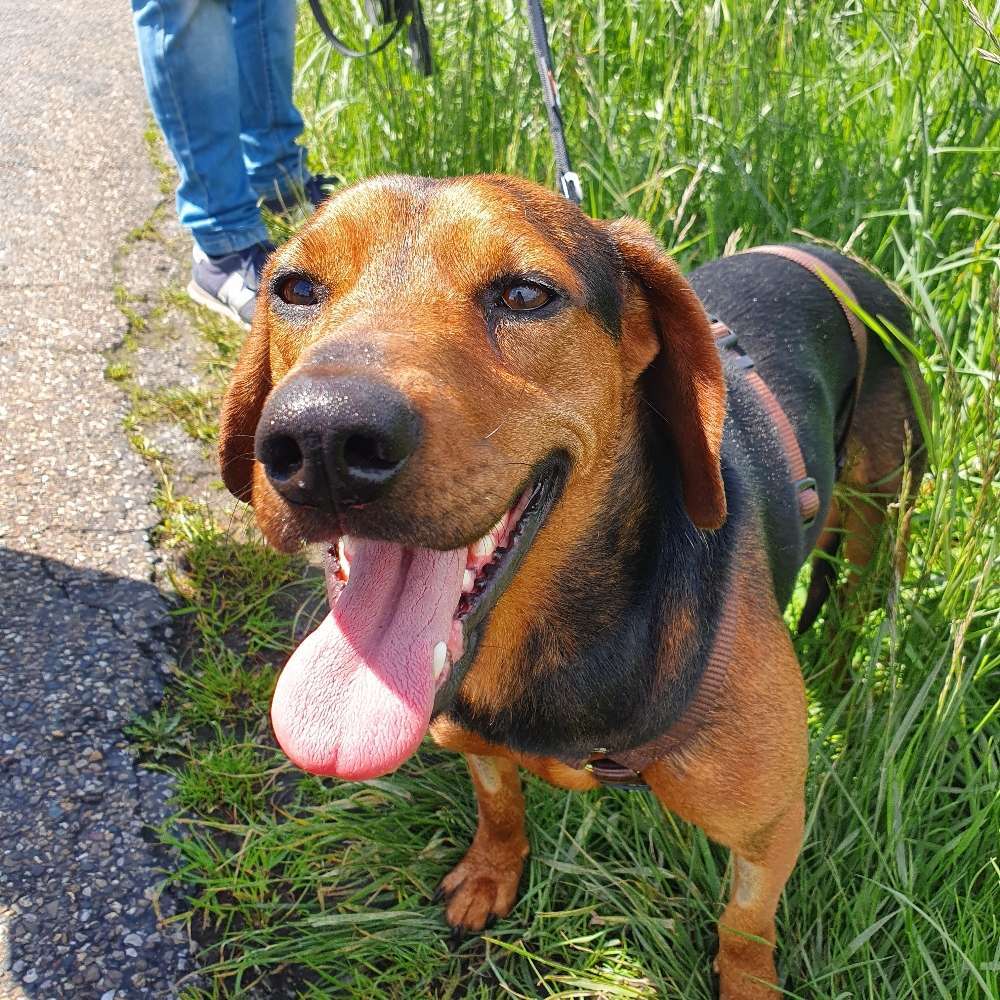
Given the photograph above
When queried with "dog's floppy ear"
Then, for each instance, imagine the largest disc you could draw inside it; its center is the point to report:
(683, 384)
(248, 388)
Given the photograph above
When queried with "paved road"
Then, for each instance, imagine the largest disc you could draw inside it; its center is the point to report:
(83, 632)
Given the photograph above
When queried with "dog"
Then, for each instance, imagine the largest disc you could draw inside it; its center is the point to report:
(564, 495)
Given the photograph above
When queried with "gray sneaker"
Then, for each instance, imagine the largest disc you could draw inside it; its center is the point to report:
(228, 285)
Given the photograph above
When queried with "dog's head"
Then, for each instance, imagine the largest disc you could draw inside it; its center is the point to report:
(438, 381)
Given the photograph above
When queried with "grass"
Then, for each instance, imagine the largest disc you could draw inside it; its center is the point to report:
(871, 126)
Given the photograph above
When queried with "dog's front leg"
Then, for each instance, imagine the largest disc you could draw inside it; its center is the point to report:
(761, 867)
(742, 781)
(764, 849)
(483, 885)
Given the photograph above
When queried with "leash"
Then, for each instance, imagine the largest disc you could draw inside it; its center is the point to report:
(567, 180)
(397, 11)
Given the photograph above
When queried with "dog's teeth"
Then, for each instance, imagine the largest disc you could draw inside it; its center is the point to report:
(468, 581)
(440, 659)
(524, 501)
(483, 549)
(342, 558)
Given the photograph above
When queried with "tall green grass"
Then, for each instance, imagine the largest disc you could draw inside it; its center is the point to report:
(873, 126)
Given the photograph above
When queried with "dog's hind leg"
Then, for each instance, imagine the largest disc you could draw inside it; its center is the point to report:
(823, 570)
(884, 440)
(483, 885)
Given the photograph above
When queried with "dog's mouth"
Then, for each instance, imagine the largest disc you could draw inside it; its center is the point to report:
(357, 696)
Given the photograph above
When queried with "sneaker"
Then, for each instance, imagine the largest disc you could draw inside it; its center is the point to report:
(313, 193)
(228, 285)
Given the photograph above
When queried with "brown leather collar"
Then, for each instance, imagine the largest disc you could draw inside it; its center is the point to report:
(624, 768)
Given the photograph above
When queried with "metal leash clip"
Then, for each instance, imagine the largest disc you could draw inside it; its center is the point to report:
(570, 186)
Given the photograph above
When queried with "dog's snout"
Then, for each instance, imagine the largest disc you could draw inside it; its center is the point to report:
(334, 442)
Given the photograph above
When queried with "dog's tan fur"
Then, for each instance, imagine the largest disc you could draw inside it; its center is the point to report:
(402, 273)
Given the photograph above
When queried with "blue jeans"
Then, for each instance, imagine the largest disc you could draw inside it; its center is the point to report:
(219, 78)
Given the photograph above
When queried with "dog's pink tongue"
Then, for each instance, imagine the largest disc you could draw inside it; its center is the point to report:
(355, 698)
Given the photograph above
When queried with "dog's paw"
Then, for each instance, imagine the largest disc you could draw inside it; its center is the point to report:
(481, 888)
(746, 972)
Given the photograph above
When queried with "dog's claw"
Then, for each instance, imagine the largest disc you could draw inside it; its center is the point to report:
(439, 895)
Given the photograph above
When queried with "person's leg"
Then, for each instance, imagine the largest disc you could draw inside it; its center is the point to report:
(264, 31)
(187, 50)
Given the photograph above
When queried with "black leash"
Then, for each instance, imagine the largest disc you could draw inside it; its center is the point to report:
(407, 12)
(341, 47)
(401, 11)
(566, 178)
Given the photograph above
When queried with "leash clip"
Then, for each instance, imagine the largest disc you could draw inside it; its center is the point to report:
(570, 186)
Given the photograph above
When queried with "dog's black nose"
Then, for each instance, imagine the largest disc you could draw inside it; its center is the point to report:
(335, 441)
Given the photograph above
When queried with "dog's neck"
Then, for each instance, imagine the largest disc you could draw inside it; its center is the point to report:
(618, 645)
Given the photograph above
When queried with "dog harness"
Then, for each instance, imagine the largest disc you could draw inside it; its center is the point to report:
(624, 768)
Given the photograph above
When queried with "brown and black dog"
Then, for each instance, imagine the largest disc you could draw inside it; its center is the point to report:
(560, 522)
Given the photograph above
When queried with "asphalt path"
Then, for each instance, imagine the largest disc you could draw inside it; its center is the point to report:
(84, 632)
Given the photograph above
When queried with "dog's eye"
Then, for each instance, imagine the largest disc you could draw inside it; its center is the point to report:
(297, 290)
(525, 296)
